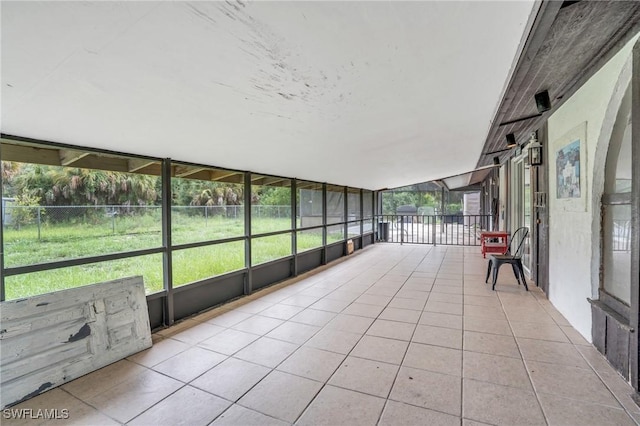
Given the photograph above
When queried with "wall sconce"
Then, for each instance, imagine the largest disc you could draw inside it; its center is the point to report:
(543, 103)
(535, 153)
(511, 140)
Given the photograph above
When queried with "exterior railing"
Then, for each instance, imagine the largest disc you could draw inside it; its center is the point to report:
(462, 230)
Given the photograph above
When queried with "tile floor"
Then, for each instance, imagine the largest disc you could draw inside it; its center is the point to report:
(393, 335)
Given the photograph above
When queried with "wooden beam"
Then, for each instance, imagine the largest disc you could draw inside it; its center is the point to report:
(185, 171)
(28, 154)
(224, 175)
(70, 156)
(136, 164)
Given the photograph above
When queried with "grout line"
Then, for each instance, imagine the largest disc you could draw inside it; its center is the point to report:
(524, 362)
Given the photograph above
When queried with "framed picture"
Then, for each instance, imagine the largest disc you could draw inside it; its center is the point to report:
(567, 171)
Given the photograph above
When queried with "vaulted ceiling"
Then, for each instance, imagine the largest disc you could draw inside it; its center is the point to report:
(365, 94)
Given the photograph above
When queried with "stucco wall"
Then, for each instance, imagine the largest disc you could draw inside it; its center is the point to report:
(574, 235)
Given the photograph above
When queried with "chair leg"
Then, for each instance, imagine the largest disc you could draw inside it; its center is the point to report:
(496, 267)
(524, 280)
(488, 271)
(516, 272)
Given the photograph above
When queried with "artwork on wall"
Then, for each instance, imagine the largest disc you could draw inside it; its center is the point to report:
(569, 171)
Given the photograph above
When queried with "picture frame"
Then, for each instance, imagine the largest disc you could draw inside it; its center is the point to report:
(568, 169)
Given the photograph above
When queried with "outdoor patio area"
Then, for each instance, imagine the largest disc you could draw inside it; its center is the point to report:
(392, 335)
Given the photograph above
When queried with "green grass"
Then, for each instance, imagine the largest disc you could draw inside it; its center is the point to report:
(69, 241)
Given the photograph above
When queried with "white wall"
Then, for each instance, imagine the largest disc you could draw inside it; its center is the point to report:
(574, 235)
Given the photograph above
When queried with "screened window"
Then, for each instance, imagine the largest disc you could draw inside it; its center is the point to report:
(309, 206)
(270, 204)
(335, 204)
(616, 219)
(206, 204)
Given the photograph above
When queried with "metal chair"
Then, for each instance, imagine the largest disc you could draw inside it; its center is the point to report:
(515, 258)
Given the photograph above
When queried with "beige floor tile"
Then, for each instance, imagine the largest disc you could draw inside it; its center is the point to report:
(363, 310)
(574, 336)
(312, 363)
(446, 297)
(258, 324)
(449, 278)
(366, 376)
(316, 292)
(370, 299)
(397, 413)
(571, 382)
(381, 349)
(229, 341)
(197, 332)
(281, 395)
(538, 331)
(189, 364)
(479, 289)
(334, 341)
(447, 289)
(391, 329)
(443, 307)
(314, 317)
(441, 320)
(563, 411)
(148, 387)
(188, 406)
(231, 379)
(495, 369)
(266, 351)
(281, 311)
(402, 303)
(500, 405)
(402, 315)
(344, 294)
(490, 344)
(77, 412)
(434, 358)
(490, 312)
(159, 352)
(229, 318)
(241, 416)
(413, 294)
(427, 389)
(350, 323)
(486, 325)
(551, 352)
(103, 379)
(467, 422)
(335, 406)
(302, 300)
(330, 305)
(438, 336)
(470, 299)
(252, 307)
(293, 332)
(382, 290)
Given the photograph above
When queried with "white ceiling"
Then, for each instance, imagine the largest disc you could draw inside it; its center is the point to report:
(366, 94)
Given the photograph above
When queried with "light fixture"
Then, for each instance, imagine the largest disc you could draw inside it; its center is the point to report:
(496, 161)
(543, 103)
(511, 140)
(535, 150)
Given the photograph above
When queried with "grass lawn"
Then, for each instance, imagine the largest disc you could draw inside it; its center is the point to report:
(68, 241)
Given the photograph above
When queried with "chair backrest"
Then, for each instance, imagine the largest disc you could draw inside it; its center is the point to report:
(519, 238)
